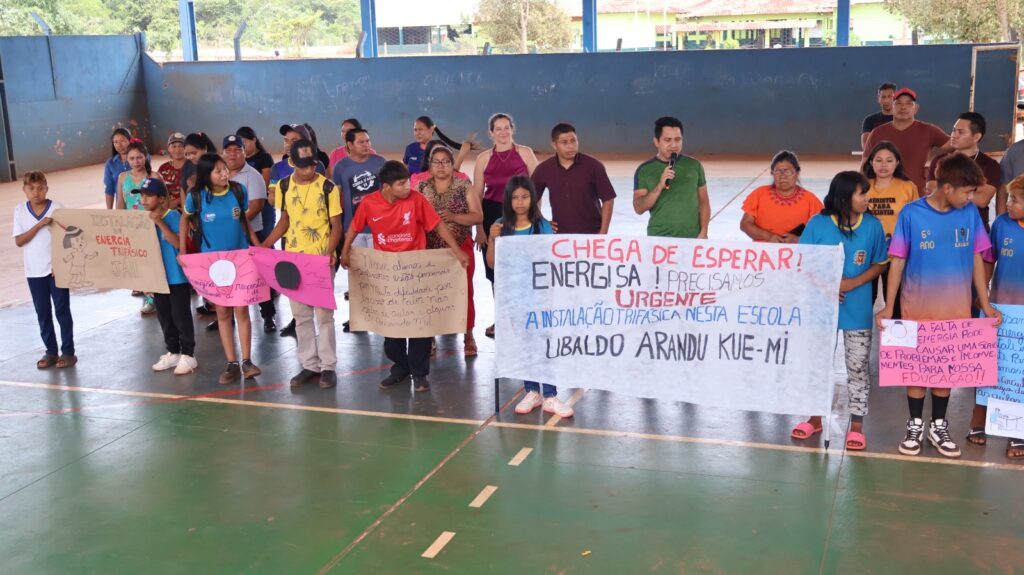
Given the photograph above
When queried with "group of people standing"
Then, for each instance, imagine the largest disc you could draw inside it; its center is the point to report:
(915, 179)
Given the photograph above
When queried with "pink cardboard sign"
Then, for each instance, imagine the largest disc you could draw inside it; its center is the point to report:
(950, 353)
(226, 278)
(301, 277)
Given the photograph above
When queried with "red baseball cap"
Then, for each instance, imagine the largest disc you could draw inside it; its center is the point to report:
(905, 92)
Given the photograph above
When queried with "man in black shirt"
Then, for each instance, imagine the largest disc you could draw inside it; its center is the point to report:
(872, 121)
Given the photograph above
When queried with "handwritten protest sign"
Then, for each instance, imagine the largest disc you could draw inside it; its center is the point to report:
(107, 249)
(951, 353)
(716, 323)
(300, 277)
(226, 278)
(1006, 400)
(408, 294)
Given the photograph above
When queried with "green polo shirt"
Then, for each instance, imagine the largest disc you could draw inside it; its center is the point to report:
(677, 212)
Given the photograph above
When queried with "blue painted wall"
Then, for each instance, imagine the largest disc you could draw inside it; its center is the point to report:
(66, 93)
(731, 101)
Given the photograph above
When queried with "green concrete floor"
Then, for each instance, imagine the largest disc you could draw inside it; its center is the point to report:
(130, 484)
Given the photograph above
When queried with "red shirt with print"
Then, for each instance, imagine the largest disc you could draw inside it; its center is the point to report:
(398, 227)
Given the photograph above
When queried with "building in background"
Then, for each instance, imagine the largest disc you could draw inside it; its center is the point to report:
(423, 27)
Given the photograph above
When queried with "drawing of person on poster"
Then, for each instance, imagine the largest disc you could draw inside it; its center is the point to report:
(74, 240)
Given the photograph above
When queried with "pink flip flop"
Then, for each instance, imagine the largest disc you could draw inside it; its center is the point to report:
(856, 441)
(804, 430)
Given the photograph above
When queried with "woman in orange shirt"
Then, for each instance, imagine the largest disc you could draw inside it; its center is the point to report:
(777, 213)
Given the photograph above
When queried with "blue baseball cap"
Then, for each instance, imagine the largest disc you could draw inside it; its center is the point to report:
(233, 140)
(152, 186)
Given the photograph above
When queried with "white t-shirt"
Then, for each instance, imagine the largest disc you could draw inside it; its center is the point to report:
(37, 251)
(257, 188)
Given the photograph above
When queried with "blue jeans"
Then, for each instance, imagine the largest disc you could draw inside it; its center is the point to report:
(43, 290)
(549, 390)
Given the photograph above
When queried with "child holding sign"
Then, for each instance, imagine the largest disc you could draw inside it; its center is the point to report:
(399, 220)
(218, 207)
(32, 234)
(936, 254)
(845, 220)
(520, 216)
(1007, 288)
(174, 309)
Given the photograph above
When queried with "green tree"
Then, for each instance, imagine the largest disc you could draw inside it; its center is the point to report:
(962, 20)
(516, 25)
(157, 18)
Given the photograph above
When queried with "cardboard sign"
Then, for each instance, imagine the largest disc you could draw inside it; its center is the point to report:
(949, 353)
(300, 277)
(736, 325)
(104, 249)
(226, 278)
(407, 294)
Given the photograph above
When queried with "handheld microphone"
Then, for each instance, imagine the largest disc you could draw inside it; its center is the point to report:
(671, 164)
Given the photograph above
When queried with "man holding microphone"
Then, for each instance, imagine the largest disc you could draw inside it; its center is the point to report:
(672, 187)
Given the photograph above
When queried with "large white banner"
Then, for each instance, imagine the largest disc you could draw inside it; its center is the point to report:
(737, 325)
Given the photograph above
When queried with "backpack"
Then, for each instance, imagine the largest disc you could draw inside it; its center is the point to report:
(329, 186)
(197, 231)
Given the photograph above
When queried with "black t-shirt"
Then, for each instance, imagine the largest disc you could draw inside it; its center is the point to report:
(873, 121)
(260, 161)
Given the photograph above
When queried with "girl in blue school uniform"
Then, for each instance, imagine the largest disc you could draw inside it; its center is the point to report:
(845, 220)
(521, 217)
(1007, 288)
(215, 208)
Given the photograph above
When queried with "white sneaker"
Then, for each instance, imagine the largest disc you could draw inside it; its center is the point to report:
(167, 361)
(186, 365)
(529, 403)
(148, 307)
(555, 406)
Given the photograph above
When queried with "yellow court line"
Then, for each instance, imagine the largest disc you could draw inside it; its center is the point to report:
(513, 425)
(522, 454)
(438, 544)
(484, 495)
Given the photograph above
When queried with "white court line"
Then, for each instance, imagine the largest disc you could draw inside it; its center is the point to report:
(521, 456)
(438, 544)
(571, 402)
(484, 495)
(529, 426)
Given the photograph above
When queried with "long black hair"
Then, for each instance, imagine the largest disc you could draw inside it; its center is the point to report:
(508, 215)
(869, 171)
(204, 168)
(138, 145)
(250, 134)
(839, 200)
(200, 140)
(118, 132)
(426, 121)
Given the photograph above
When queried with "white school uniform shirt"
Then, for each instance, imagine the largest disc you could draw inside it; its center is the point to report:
(36, 252)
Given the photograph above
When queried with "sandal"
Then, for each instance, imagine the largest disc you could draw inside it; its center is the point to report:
(489, 332)
(66, 361)
(46, 361)
(469, 347)
(855, 441)
(1015, 445)
(433, 348)
(977, 436)
(804, 430)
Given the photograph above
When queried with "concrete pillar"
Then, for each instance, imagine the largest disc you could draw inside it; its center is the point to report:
(589, 25)
(187, 21)
(843, 23)
(368, 13)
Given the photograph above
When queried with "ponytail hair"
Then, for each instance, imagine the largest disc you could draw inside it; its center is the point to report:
(200, 140)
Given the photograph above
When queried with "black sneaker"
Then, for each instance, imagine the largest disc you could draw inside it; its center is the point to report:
(231, 374)
(345, 327)
(911, 444)
(212, 326)
(305, 376)
(205, 310)
(393, 380)
(938, 436)
(269, 325)
(328, 379)
(289, 330)
(249, 369)
(421, 383)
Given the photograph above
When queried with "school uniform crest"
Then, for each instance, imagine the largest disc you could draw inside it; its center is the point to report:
(860, 257)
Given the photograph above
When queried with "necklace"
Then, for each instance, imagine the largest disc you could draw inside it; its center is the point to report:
(508, 154)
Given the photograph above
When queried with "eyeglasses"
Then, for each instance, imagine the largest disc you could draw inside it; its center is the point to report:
(783, 172)
(441, 163)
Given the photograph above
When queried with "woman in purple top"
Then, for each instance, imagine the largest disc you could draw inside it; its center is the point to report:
(494, 167)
